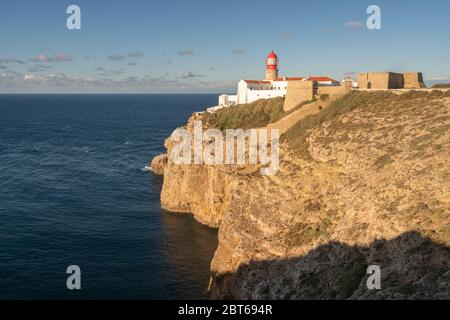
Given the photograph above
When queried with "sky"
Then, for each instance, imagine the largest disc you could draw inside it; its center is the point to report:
(146, 46)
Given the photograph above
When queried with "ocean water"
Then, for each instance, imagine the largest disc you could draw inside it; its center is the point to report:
(73, 191)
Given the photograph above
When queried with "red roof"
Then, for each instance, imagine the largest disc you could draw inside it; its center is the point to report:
(323, 79)
(272, 55)
(317, 79)
(257, 81)
(289, 79)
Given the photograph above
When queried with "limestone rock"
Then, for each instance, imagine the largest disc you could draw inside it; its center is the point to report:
(373, 191)
(158, 164)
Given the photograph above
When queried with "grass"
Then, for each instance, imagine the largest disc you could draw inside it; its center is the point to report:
(248, 116)
(297, 135)
(305, 233)
(383, 161)
(441, 86)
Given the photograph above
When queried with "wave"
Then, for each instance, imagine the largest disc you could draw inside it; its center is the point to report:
(146, 168)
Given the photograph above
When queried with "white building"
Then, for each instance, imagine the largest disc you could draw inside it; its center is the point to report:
(253, 90)
(226, 100)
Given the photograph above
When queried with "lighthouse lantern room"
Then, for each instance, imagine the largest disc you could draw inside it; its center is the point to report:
(272, 66)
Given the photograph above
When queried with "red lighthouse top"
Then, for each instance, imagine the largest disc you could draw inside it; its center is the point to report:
(272, 61)
(272, 55)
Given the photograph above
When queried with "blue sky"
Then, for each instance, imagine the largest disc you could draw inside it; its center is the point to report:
(207, 46)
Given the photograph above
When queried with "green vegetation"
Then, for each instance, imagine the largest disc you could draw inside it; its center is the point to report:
(247, 116)
(297, 136)
(441, 86)
(305, 233)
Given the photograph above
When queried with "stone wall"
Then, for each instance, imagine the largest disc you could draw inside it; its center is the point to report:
(335, 92)
(413, 80)
(396, 80)
(390, 80)
(374, 80)
(298, 92)
(301, 91)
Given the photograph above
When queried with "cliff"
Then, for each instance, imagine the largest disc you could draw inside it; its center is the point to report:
(363, 182)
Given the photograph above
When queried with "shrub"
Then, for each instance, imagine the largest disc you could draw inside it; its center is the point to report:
(246, 116)
(441, 86)
(257, 114)
(297, 135)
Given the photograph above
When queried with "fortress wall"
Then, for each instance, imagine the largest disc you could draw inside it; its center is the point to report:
(362, 80)
(335, 91)
(373, 80)
(301, 91)
(298, 92)
(390, 80)
(413, 80)
(396, 81)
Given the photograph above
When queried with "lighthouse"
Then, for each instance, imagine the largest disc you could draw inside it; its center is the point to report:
(272, 66)
(273, 86)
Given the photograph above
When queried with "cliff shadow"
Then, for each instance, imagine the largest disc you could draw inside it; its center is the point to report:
(412, 267)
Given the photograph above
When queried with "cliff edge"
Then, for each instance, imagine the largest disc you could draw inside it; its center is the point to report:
(362, 182)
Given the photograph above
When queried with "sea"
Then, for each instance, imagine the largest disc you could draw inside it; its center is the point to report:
(75, 190)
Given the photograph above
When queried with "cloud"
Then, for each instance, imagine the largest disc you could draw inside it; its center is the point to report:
(2, 68)
(190, 75)
(116, 57)
(108, 81)
(186, 52)
(439, 79)
(11, 60)
(355, 25)
(41, 58)
(239, 52)
(59, 57)
(107, 73)
(39, 68)
(216, 85)
(64, 57)
(132, 63)
(135, 54)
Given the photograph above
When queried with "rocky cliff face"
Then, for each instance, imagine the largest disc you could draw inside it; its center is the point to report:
(369, 187)
(198, 189)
